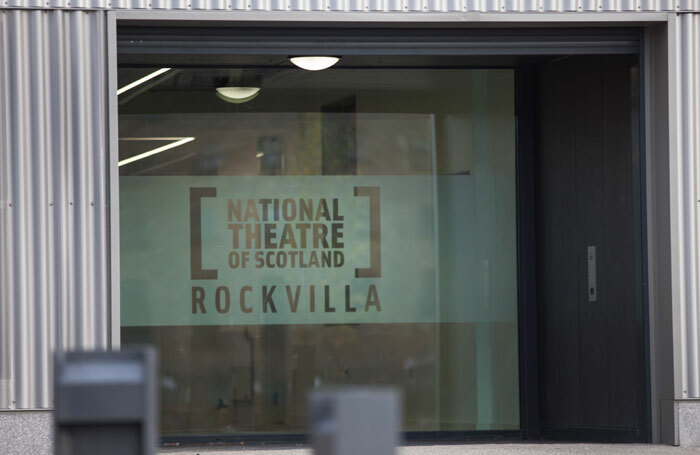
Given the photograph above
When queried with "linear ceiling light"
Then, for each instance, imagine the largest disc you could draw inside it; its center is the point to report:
(146, 78)
(178, 142)
(314, 62)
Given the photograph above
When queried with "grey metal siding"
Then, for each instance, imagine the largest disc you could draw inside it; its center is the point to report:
(685, 197)
(407, 6)
(54, 213)
(54, 193)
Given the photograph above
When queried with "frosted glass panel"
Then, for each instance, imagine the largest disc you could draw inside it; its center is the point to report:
(348, 226)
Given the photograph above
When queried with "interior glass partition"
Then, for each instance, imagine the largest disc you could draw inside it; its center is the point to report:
(355, 225)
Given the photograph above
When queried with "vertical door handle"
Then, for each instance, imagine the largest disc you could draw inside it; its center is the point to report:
(592, 286)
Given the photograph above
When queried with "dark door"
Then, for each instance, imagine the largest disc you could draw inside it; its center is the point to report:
(588, 243)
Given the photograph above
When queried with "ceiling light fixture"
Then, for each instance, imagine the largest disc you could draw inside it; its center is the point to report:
(237, 95)
(259, 155)
(178, 142)
(146, 78)
(315, 62)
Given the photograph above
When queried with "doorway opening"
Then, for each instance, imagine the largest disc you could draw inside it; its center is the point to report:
(443, 211)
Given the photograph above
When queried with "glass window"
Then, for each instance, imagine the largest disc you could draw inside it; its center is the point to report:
(346, 226)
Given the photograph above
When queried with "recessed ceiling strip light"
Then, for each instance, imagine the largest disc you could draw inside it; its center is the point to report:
(178, 142)
(146, 78)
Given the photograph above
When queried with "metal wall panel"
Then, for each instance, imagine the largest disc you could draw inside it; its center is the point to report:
(54, 273)
(406, 6)
(684, 103)
(54, 232)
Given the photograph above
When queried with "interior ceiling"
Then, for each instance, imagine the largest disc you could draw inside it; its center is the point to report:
(283, 88)
(347, 61)
(187, 79)
(276, 74)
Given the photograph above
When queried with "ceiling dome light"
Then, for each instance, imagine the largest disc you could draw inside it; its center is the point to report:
(237, 95)
(314, 63)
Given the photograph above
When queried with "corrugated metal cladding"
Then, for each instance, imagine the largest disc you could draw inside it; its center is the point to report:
(53, 196)
(54, 224)
(687, 176)
(507, 6)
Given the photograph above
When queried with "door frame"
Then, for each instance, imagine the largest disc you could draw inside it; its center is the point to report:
(526, 102)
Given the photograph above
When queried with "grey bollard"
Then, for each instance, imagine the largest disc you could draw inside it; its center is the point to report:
(354, 421)
(106, 403)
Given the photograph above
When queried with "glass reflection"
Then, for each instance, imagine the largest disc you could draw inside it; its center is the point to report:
(440, 144)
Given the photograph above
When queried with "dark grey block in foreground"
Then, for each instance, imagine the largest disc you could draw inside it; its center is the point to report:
(352, 421)
(106, 403)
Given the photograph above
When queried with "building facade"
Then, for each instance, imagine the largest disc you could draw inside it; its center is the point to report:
(491, 204)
